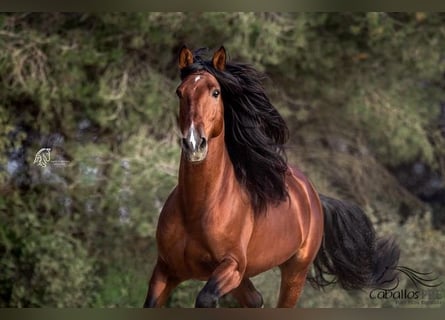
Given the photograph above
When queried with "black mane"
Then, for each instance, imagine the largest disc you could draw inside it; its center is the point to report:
(255, 133)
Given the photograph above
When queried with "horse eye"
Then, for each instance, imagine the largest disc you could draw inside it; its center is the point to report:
(179, 93)
(215, 93)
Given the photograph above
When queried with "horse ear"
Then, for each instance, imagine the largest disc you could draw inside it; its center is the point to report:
(185, 57)
(219, 59)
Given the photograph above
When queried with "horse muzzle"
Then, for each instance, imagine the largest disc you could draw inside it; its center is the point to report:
(194, 145)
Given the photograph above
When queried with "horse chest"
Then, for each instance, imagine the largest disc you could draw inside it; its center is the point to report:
(193, 250)
(192, 260)
(187, 257)
(198, 259)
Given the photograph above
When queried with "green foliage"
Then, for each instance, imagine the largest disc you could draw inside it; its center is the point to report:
(41, 265)
(121, 287)
(400, 122)
(359, 91)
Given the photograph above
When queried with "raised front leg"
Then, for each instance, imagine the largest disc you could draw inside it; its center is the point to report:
(161, 284)
(226, 277)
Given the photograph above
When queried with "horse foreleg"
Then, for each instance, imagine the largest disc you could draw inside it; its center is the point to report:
(293, 278)
(247, 295)
(226, 277)
(161, 284)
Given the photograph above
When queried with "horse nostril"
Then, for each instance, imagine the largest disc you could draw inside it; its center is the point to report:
(203, 143)
(185, 144)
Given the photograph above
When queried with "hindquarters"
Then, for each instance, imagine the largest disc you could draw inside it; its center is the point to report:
(308, 211)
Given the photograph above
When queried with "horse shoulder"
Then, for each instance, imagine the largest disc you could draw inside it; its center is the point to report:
(170, 230)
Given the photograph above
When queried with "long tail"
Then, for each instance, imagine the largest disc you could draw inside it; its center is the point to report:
(350, 253)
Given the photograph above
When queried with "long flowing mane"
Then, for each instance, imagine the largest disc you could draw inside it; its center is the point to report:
(255, 133)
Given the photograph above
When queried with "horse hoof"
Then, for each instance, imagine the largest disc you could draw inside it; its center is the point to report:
(206, 300)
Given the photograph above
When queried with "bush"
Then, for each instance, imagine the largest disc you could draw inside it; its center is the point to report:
(42, 266)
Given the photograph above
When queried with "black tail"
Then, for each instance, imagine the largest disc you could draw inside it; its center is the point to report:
(350, 253)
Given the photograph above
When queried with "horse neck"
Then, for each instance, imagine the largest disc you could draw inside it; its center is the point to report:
(199, 184)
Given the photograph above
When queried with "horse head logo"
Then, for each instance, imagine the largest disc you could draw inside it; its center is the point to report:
(43, 156)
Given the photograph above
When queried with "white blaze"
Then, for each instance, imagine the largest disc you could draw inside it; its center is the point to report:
(197, 78)
(192, 138)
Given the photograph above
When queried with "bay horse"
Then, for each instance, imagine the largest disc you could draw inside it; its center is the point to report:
(239, 209)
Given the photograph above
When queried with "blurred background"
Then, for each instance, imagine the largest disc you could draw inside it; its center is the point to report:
(363, 95)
